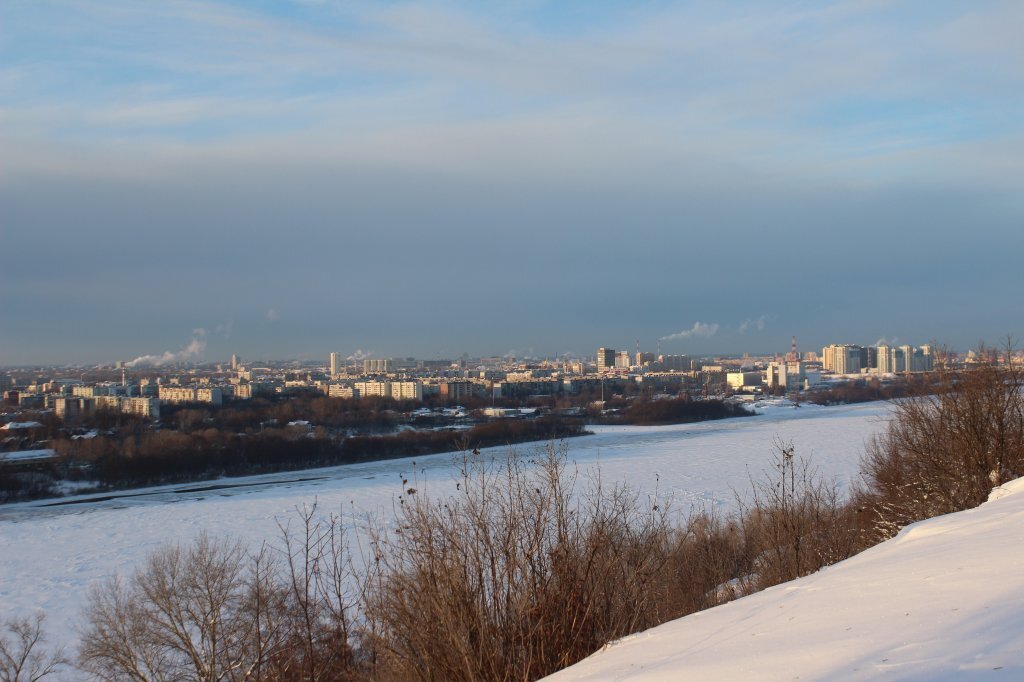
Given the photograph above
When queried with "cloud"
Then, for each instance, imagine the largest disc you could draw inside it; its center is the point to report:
(273, 315)
(699, 329)
(747, 324)
(189, 353)
(225, 328)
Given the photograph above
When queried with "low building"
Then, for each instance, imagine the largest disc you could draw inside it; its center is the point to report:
(740, 380)
(191, 394)
(341, 391)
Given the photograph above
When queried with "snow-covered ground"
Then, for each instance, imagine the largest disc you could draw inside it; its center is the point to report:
(944, 600)
(50, 554)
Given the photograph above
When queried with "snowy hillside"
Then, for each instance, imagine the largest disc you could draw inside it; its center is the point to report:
(943, 600)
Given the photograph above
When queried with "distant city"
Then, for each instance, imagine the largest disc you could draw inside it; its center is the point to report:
(141, 389)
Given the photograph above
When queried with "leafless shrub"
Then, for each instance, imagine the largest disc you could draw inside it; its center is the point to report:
(946, 448)
(517, 576)
(707, 563)
(22, 654)
(795, 522)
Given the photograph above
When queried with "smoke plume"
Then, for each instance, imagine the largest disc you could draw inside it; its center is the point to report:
(189, 353)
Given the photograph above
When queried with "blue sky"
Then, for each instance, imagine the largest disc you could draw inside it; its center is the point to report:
(433, 178)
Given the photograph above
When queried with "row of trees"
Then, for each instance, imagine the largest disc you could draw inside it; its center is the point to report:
(139, 457)
(646, 411)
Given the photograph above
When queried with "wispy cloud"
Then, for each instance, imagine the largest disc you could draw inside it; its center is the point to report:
(748, 324)
(771, 85)
(699, 330)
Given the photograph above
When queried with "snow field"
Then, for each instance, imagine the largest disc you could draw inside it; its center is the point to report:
(49, 556)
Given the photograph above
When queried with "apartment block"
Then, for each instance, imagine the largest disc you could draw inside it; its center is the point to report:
(373, 389)
(190, 394)
(342, 391)
(842, 358)
(407, 390)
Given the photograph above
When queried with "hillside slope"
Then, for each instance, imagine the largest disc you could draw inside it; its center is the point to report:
(943, 600)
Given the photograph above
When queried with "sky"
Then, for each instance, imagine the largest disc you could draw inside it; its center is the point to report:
(285, 179)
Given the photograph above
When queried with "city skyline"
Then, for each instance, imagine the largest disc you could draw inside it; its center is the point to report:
(336, 362)
(439, 178)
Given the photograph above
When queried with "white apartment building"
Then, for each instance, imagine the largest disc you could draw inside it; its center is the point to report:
(67, 408)
(737, 380)
(190, 394)
(373, 389)
(905, 359)
(89, 391)
(145, 407)
(841, 358)
(342, 391)
(407, 390)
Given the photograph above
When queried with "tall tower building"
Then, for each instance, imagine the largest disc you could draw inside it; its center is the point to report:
(605, 359)
(842, 359)
(234, 361)
(335, 361)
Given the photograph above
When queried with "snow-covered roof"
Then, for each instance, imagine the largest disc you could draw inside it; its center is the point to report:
(11, 426)
(27, 455)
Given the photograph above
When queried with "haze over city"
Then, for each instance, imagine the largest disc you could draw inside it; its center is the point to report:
(436, 178)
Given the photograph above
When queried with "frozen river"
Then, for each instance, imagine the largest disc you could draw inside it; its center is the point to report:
(50, 554)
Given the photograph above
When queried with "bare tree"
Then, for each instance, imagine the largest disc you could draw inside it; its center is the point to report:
(212, 611)
(23, 657)
(181, 617)
(318, 592)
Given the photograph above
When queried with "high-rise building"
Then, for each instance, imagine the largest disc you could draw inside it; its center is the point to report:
(336, 362)
(884, 359)
(605, 359)
(378, 366)
(905, 359)
(675, 363)
(622, 360)
(842, 358)
(642, 358)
